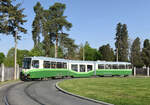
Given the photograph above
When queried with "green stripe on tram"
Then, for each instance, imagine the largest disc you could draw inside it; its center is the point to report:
(43, 73)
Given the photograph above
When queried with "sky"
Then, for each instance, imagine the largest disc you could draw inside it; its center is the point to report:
(93, 21)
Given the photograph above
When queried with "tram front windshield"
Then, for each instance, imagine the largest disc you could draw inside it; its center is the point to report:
(26, 63)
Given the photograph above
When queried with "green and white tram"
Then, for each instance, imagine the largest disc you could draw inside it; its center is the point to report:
(45, 67)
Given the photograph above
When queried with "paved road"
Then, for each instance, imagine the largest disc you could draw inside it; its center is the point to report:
(40, 93)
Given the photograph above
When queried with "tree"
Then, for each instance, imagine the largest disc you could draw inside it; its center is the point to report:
(107, 53)
(37, 24)
(12, 19)
(136, 58)
(9, 61)
(2, 58)
(5, 8)
(146, 53)
(68, 46)
(124, 45)
(91, 54)
(58, 22)
(37, 51)
(118, 41)
(121, 43)
(51, 24)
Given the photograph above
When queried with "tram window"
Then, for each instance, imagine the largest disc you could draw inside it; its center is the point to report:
(121, 66)
(46, 64)
(107, 66)
(101, 66)
(53, 64)
(59, 65)
(74, 67)
(26, 63)
(35, 64)
(82, 68)
(65, 65)
(114, 66)
(89, 67)
(129, 67)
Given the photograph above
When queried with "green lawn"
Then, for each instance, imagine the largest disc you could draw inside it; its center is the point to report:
(118, 91)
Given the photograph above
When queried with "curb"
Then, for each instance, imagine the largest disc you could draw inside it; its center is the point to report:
(85, 98)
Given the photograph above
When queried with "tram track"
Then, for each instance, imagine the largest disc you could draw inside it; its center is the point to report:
(5, 97)
(30, 96)
(40, 93)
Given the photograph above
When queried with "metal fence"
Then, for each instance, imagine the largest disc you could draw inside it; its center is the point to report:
(141, 71)
(145, 71)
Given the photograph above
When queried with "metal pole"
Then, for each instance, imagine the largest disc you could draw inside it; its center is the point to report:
(148, 71)
(55, 51)
(117, 55)
(83, 53)
(134, 71)
(15, 64)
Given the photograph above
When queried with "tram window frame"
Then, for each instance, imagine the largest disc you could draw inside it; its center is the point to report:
(108, 66)
(89, 69)
(76, 68)
(115, 66)
(129, 66)
(84, 69)
(26, 63)
(53, 64)
(101, 66)
(121, 66)
(35, 63)
(64, 65)
(59, 65)
(45, 64)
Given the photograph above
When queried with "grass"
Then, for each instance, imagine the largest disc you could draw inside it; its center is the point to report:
(118, 91)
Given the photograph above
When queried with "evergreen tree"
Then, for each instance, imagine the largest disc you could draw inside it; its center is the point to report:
(118, 41)
(51, 24)
(146, 53)
(68, 46)
(12, 18)
(124, 43)
(58, 22)
(121, 43)
(107, 53)
(146, 43)
(11, 22)
(37, 51)
(37, 24)
(136, 58)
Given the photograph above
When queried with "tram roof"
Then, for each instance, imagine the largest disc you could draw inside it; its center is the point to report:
(74, 61)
